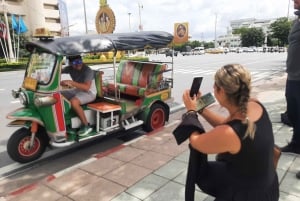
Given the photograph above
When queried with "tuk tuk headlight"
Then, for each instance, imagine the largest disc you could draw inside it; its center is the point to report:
(15, 93)
(44, 101)
(23, 98)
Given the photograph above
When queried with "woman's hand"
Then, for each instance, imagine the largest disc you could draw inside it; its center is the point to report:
(190, 103)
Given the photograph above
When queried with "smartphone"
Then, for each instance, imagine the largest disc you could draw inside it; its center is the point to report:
(205, 101)
(195, 86)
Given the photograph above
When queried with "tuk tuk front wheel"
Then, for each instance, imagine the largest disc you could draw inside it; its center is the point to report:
(156, 117)
(19, 149)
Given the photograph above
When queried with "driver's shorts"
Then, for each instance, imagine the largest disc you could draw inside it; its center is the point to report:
(83, 96)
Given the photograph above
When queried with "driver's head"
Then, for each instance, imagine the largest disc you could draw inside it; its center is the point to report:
(75, 61)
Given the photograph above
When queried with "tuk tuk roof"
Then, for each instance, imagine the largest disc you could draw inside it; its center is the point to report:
(75, 45)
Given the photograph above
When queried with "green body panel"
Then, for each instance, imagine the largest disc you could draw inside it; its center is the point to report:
(26, 114)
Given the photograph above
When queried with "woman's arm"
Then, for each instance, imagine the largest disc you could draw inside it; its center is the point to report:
(219, 140)
(212, 117)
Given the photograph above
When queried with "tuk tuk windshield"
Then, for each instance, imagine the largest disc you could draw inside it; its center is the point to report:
(41, 66)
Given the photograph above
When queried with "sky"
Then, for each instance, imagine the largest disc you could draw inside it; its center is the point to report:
(205, 17)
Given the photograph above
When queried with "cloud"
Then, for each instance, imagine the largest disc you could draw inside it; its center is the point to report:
(162, 14)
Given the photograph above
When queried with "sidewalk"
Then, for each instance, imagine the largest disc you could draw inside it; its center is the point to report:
(153, 167)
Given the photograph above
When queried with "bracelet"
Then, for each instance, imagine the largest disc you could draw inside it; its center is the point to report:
(189, 112)
(200, 111)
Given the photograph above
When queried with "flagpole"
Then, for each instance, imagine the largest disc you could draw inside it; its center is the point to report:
(4, 52)
(11, 54)
(18, 39)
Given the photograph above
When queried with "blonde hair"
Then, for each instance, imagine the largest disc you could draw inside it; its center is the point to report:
(236, 82)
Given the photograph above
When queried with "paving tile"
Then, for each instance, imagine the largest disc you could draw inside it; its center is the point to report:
(124, 197)
(102, 166)
(173, 192)
(127, 154)
(285, 161)
(147, 143)
(40, 193)
(184, 156)
(151, 160)
(127, 174)
(181, 178)
(171, 169)
(146, 186)
(64, 199)
(71, 181)
(288, 197)
(100, 190)
(295, 167)
(281, 174)
(170, 148)
(290, 184)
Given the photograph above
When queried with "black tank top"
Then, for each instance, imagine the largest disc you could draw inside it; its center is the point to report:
(252, 168)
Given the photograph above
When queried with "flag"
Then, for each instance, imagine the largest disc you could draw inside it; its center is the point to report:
(22, 26)
(18, 26)
(14, 23)
(3, 30)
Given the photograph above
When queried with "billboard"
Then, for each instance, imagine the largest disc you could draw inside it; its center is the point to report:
(181, 32)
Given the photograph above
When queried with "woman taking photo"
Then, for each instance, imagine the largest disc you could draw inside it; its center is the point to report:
(243, 141)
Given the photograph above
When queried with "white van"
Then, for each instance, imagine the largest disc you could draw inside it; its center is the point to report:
(198, 50)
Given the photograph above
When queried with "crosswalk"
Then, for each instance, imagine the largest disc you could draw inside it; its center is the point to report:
(256, 75)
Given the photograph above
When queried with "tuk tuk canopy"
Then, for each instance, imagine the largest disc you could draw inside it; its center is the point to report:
(75, 45)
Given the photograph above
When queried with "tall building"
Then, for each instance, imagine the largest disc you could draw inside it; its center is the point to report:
(49, 14)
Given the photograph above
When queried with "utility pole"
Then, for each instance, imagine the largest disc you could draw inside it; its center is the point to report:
(288, 11)
(140, 26)
(216, 30)
(10, 49)
(86, 28)
(129, 22)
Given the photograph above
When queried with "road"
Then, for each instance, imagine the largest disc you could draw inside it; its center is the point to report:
(261, 66)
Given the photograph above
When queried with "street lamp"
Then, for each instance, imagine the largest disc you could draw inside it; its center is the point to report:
(140, 26)
(129, 21)
(216, 29)
(288, 13)
(86, 28)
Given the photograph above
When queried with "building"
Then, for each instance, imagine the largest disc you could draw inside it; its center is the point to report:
(49, 14)
(233, 40)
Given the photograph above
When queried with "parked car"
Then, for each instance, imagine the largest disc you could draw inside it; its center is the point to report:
(198, 50)
(187, 51)
(170, 53)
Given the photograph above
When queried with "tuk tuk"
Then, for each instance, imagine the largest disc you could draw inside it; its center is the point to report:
(136, 95)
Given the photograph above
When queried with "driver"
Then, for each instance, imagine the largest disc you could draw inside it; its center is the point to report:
(82, 77)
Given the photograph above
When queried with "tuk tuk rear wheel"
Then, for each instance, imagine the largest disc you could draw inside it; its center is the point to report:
(156, 118)
(18, 145)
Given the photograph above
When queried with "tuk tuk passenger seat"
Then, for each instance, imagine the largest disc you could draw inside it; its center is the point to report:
(137, 78)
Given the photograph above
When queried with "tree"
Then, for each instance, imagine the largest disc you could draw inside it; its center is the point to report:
(280, 30)
(252, 37)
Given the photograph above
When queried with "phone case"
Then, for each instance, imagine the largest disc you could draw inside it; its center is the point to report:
(205, 101)
(195, 86)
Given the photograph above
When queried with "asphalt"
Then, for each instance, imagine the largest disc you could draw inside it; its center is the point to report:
(153, 167)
